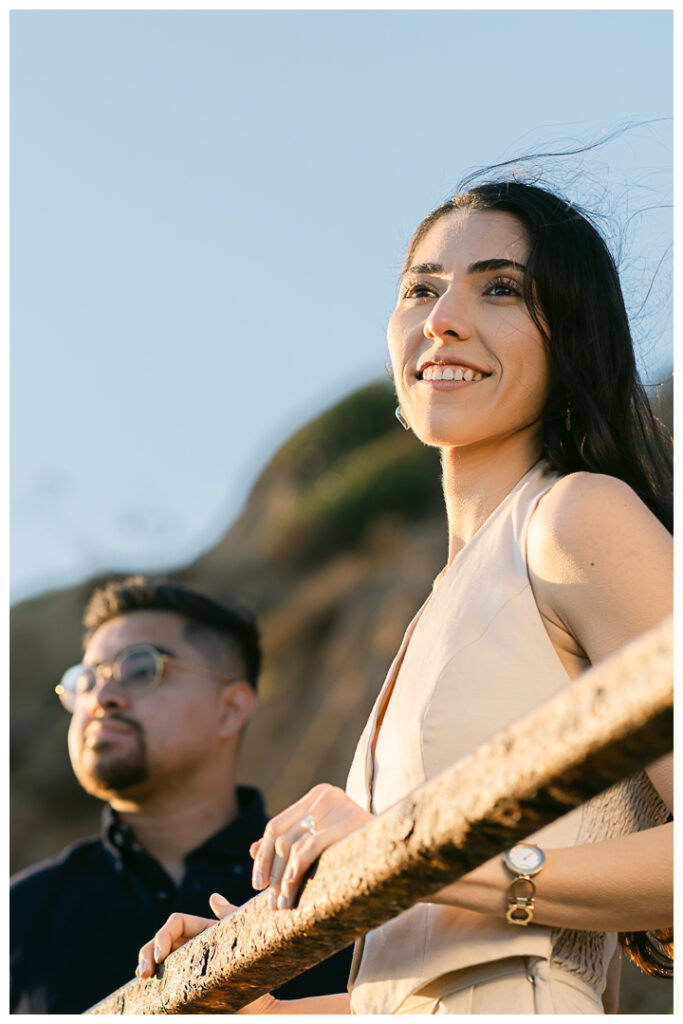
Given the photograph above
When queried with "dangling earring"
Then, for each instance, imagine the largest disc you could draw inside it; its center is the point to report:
(568, 418)
(398, 413)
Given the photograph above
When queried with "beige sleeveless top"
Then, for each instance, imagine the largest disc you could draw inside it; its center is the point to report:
(475, 658)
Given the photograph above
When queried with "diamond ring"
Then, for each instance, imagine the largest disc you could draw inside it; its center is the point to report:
(308, 823)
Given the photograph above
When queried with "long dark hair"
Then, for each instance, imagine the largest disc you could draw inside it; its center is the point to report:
(597, 417)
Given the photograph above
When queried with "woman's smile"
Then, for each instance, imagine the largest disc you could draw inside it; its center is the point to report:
(449, 372)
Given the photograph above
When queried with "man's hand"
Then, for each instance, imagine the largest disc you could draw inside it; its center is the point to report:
(176, 932)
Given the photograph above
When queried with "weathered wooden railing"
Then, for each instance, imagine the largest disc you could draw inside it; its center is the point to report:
(613, 721)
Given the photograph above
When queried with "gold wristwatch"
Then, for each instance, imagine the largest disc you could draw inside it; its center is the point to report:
(523, 861)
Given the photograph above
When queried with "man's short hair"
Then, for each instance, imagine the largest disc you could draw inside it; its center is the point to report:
(233, 624)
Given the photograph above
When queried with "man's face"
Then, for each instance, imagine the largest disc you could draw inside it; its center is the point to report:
(135, 744)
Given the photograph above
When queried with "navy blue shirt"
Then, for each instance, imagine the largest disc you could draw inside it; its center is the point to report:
(78, 919)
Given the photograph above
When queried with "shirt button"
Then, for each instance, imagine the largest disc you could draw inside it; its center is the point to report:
(162, 895)
(238, 869)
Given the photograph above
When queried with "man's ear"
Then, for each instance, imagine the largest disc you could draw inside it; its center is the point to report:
(238, 705)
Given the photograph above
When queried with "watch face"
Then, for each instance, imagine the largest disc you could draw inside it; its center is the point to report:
(525, 859)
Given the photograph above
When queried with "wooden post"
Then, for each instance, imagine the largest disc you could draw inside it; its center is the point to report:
(613, 721)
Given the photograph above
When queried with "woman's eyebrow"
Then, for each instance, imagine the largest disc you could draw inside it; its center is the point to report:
(480, 267)
(425, 268)
(486, 266)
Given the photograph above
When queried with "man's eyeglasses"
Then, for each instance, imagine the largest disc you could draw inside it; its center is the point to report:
(137, 670)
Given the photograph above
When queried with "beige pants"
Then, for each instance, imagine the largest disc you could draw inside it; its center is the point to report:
(518, 984)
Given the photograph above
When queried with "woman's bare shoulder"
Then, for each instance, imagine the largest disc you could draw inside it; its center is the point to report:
(584, 510)
(599, 561)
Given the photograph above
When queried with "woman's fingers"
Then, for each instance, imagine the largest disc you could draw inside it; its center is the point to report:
(275, 829)
(296, 837)
(279, 826)
(220, 906)
(171, 936)
(145, 967)
(177, 931)
(254, 848)
(282, 855)
(343, 820)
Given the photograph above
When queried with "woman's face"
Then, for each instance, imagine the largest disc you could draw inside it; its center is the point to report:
(469, 363)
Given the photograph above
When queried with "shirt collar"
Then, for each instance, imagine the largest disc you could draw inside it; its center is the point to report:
(236, 838)
(231, 842)
(117, 837)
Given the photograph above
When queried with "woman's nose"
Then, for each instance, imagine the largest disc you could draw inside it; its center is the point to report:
(448, 319)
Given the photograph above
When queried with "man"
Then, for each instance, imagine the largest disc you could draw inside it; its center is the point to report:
(159, 703)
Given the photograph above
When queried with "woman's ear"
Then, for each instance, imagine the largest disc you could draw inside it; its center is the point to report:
(238, 705)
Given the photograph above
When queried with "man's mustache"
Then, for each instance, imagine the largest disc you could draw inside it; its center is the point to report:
(116, 716)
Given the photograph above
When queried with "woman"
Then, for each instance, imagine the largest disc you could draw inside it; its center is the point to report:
(511, 352)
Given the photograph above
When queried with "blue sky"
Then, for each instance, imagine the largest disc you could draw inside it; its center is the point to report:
(208, 212)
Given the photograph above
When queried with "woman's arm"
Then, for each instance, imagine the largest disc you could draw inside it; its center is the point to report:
(337, 1003)
(620, 884)
(600, 567)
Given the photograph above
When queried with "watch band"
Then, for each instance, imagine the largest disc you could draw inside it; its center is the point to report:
(522, 891)
(521, 906)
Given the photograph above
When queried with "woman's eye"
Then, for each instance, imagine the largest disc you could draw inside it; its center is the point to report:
(502, 287)
(417, 291)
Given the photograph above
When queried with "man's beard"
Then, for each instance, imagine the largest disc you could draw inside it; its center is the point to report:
(117, 773)
(104, 772)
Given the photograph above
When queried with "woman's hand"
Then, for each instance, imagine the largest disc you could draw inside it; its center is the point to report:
(176, 932)
(297, 836)
(180, 928)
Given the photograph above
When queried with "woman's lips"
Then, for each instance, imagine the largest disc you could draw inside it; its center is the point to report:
(449, 385)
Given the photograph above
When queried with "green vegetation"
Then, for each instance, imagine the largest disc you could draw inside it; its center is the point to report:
(391, 475)
(360, 417)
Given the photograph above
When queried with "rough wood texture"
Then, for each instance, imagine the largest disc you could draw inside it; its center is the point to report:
(613, 721)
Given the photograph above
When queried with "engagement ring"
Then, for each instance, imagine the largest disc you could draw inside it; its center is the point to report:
(309, 824)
